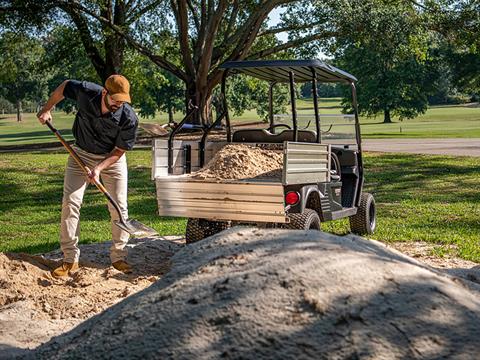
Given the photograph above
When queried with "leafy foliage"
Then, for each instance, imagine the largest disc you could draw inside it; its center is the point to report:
(20, 57)
(386, 45)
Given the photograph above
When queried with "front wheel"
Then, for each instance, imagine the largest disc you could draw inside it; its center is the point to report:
(308, 220)
(364, 221)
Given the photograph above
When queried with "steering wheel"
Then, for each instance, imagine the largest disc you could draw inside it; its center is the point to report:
(270, 128)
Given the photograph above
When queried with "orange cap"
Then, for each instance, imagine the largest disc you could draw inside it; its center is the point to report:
(118, 87)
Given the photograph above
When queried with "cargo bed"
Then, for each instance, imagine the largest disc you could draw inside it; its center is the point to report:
(245, 200)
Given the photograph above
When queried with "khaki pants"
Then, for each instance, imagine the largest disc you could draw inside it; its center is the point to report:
(115, 180)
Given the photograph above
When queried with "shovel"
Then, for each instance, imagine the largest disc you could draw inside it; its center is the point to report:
(133, 227)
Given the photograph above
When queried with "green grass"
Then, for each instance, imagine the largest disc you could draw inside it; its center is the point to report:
(440, 121)
(31, 186)
(424, 198)
(429, 198)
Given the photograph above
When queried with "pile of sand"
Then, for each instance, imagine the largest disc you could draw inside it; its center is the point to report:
(240, 161)
(34, 306)
(250, 293)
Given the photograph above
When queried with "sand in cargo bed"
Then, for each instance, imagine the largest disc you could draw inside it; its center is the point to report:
(240, 162)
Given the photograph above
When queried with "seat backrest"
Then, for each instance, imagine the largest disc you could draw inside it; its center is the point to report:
(264, 136)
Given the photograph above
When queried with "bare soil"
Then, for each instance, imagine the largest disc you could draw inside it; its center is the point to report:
(34, 306)
(447, 262)
(240, 161)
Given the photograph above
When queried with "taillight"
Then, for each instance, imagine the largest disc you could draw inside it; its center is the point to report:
(292, 198)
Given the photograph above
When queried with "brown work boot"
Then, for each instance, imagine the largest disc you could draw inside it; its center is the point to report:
(65, 269)
(123, 266)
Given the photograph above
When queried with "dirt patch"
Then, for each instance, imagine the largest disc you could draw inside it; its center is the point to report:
(448, 262)
(34, 306)
(240, 161)
(251, 293)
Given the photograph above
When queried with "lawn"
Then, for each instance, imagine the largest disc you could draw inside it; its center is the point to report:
(440, 121)
(429, 198)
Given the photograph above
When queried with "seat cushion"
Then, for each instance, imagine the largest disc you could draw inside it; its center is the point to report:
(265, 136)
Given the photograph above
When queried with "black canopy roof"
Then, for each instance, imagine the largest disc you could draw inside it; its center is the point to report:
(278, 70)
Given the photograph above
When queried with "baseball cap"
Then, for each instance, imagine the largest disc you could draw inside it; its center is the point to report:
(118, 87)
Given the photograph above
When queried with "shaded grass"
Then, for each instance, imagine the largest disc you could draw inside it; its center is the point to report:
(428, 198)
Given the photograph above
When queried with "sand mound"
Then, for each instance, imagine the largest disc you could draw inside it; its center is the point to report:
(240, 161)
(154, 129)
(258, 294)
(34, 306)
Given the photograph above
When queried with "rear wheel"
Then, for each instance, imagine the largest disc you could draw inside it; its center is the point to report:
(199, 229)
(308, 220)
(364, 221)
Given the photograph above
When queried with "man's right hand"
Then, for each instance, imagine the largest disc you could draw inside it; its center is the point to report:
(43, 116)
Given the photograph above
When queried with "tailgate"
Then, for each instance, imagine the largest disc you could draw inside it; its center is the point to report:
(240, 201)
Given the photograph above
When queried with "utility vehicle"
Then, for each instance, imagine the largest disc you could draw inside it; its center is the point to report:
(322, 175)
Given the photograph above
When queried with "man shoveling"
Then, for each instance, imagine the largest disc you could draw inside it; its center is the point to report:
(104, 129)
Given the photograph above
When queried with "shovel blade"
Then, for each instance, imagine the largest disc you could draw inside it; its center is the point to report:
(136, 228)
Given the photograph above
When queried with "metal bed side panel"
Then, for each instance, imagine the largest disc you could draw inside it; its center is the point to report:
(305, 163)
(252, 202)
(160, 156)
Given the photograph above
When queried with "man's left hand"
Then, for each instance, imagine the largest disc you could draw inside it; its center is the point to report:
(94, 175)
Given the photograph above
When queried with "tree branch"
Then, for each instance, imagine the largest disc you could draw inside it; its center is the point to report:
(138, 14)
(291, 44)
(273, 31)
(194, 14)
(233, 18)
(182, 24)
(157, 59)
(92, 51)
(211, 31)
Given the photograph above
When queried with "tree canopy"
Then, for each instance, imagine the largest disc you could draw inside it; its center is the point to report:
(172, 50)
(20, 57)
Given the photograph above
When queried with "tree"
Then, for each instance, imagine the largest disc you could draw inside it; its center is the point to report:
(65, 58)
(385, 44)
(153, 88)
(208, 33)
(20, 58)
(104, 47)
(459, 22)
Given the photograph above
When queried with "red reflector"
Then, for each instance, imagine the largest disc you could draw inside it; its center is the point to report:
(292, 197)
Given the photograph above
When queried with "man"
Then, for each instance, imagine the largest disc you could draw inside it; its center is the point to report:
(104, 129)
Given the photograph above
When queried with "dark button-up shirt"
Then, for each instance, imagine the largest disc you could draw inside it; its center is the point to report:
(95, 132)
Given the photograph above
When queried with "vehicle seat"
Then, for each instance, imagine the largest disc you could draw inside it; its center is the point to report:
(265, 136)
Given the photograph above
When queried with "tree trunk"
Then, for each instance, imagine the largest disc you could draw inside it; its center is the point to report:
(19, 110)
(386, 117)
(114, 44)
(202, 101)
(170, 114)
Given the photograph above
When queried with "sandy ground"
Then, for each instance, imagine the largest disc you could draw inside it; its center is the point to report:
(459, 147)
(252, 293)
(34, 307)
(449, 264)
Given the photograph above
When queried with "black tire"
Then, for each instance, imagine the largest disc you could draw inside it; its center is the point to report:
(199, 229)
(308, 220)
(364, 221)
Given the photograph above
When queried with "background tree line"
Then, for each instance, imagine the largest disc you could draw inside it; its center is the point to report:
(405, 54)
